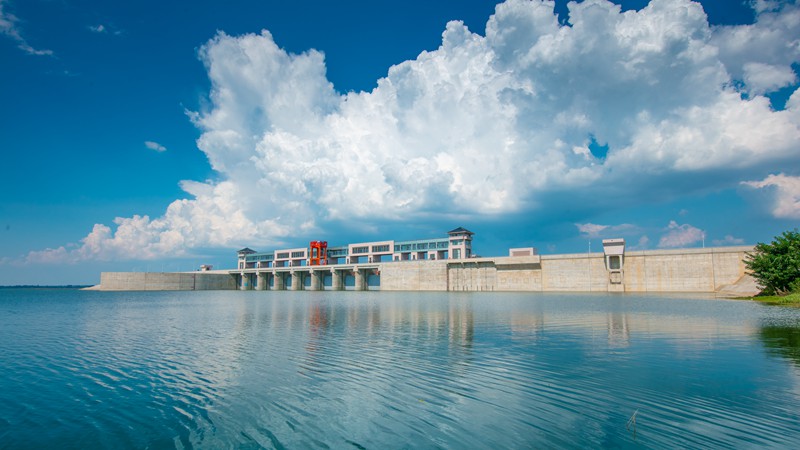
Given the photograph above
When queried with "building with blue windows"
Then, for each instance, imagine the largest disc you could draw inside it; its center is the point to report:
(457, 245)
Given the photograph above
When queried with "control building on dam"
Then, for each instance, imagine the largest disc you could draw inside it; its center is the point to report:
(449, 264)
(356, 266)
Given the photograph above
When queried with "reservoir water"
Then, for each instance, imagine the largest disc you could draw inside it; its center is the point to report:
(229, 369)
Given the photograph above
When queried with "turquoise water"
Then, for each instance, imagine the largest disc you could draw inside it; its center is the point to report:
(85, 369)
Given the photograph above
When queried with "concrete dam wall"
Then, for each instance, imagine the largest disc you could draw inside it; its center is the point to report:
(167, 281)
(687, 270)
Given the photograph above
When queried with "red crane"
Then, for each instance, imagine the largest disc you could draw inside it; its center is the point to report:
(319, 253)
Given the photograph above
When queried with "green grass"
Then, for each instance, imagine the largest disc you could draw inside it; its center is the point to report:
(785, 300)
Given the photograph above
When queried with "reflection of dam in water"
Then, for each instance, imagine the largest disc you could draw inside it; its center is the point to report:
(462, 321)
(381, 369)
(618, 327)
(455, 323)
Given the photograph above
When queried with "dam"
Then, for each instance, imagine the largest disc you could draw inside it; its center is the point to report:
(447, 264)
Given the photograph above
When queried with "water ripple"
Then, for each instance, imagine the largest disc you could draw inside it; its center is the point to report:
(384, 370)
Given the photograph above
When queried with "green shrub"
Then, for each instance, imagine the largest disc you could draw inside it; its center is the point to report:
(794, 286)
(776, 266)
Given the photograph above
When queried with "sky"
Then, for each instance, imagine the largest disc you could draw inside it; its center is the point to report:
(164, 135)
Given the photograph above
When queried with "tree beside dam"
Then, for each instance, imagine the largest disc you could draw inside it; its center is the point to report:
(776, 266)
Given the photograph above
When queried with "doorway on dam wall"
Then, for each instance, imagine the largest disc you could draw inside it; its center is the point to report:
(307, 282)
(327, 281)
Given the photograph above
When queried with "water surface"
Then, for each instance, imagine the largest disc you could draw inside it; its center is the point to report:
(83, 369)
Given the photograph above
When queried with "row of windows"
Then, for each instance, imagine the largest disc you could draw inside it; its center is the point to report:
(420, 246)
(383, 248)
(258, 258)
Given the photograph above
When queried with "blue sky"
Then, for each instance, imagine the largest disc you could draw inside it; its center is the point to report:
(145, 136)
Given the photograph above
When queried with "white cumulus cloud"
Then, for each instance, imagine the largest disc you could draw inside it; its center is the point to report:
(762, 53)
(680, 235)
(763, 78)
(593, 230)
(642, 244)
(728, 240)
(785, 192)
(590, 229)
(483, 126)
(155, 146)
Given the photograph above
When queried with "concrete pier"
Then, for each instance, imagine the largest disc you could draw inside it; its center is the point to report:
(280, 281)
(359, 280)
(316, 283)
(297, 280)
(337, 281)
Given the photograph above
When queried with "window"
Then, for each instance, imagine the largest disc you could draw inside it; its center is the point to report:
(380, 248)
(298, 254)
(283, 255)
(357, 250)
(614, 262)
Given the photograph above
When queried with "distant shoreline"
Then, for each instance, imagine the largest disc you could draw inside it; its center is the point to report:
(34, 286)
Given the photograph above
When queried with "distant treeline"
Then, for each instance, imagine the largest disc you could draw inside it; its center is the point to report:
(36, 286)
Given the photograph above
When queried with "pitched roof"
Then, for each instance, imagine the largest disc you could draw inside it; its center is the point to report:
(460, 230)
(246, 251)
